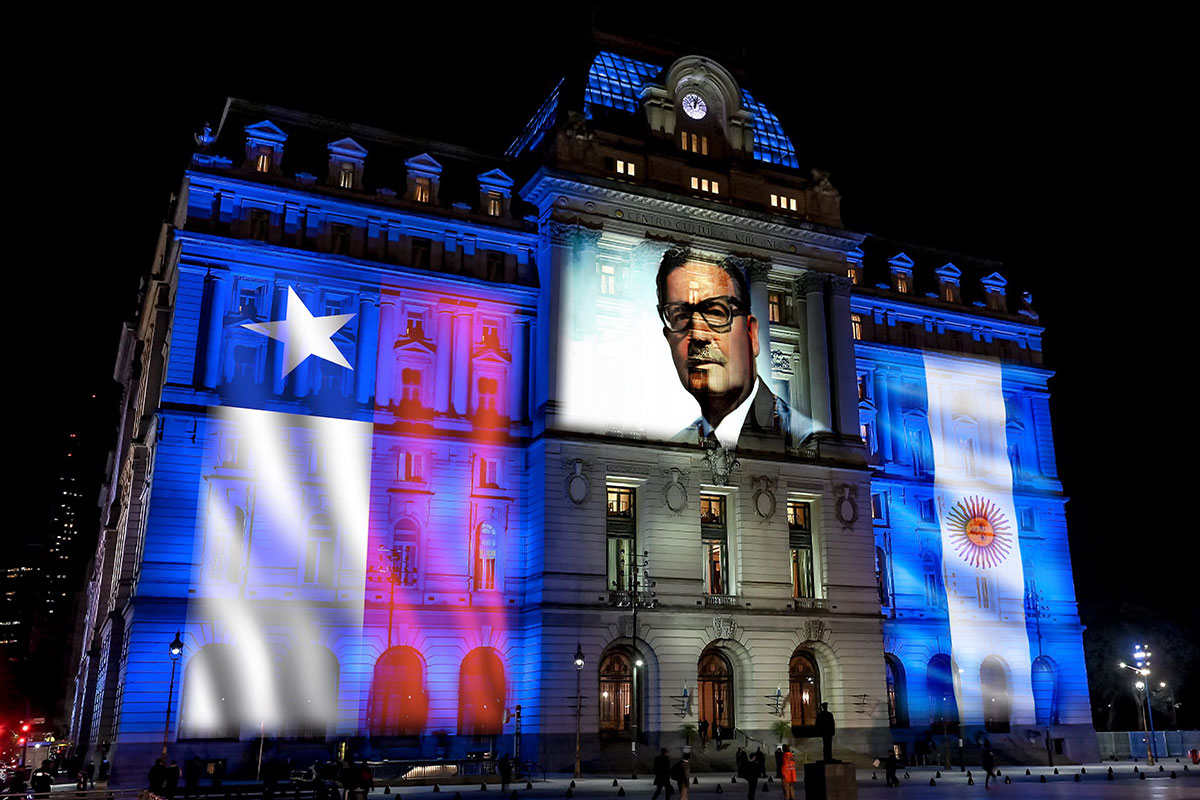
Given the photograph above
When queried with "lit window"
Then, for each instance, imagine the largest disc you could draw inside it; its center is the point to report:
(495, 204)
(415, 328)
(695, 182)
(403, 556)
(862, 387)
(346, 181)
(852, 274)
(625, 168)
(620, 524)
(705, 185)
(903, 282)
(485, 556)
(422, 190)
(801, 546)
(714, 536)
(409, 466)
(263, 163)
(856, 327)
(775, 307)
(774, 201)
(608, 279)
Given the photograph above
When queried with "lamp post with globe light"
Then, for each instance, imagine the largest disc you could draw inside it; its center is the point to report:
(175, 649)
(1141, 667)
(578, 702)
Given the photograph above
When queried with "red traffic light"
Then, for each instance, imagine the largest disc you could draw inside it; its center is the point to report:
(21, 740)
(25, 728)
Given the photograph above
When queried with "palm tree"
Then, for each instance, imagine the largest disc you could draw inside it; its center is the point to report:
(782, 729)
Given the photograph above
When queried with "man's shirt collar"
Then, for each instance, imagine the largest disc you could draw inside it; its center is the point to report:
(730, 429)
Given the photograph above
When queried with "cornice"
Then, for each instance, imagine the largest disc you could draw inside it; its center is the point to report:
(550, 189)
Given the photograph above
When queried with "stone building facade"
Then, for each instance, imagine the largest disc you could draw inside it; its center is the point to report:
(395, 451)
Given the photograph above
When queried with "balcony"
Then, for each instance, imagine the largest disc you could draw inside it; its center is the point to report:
(721, 601)
(810, 604)
(622, 598)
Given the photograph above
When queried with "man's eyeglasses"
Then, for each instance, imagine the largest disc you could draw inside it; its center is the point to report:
(718, 313)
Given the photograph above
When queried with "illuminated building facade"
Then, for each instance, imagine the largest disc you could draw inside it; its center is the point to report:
(407, 425)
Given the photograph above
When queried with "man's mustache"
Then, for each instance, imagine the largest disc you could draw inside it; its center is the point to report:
(705, 352)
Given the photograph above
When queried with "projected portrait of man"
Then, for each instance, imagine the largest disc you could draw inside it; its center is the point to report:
(705, 310)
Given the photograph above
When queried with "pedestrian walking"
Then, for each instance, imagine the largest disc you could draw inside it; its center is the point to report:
(157, 777)
(760, 759)
(41, 781)
(989, 764)
(662, 774)
(104, 768)
(889, 766)
(741, 759)
(748, 771)
(681, 772)
(703, 732)
(505, 772)
(779, 762)
(788, 772)
(717, 734)
(90, 771)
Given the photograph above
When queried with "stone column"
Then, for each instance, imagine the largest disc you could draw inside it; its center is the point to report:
(883, 416)
(385, 360)
(461, 390)
(895, 384)
(218, 302)
(844, 374)
(757, 273)
(366, 353)
(554, 265)
(442, 376)
(518, 377)
(275, 352)
(812, 286)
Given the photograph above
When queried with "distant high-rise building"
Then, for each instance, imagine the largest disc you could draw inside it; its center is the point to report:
(408, 428)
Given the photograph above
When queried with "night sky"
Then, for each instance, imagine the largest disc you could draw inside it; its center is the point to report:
(1047, 149)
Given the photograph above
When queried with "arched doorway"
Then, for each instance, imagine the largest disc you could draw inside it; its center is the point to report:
(309, 692)
(212, 697)
(616, 692)
(896, 696)
(804, 692)
(1045, 691)
(399, 704)
(481, 693)
(997, 699)
(939, 683)
(715, 678)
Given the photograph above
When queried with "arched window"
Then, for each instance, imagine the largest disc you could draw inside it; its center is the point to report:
(309, 683)
(481, 692)
(403, 556)
(1045, 691)
(212, 698)
(616, 692)
(318, 549)
(485, 556)
(804, 690)
(997, 699)
(939, 683)
(399, 704)
(716, 692)
(896, 697)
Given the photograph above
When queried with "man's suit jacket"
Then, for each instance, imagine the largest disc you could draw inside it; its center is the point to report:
(769, 425)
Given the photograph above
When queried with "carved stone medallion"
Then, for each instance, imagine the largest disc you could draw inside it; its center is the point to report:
(576, 483)
(724, 627)
(764, 498)
(675, 493)
(845, 505)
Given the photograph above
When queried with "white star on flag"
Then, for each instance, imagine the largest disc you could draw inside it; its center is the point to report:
(304, 335)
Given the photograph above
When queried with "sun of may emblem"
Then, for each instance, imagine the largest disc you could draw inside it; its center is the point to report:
(979, 532)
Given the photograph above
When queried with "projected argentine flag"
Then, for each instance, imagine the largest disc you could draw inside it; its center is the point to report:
(981, 554)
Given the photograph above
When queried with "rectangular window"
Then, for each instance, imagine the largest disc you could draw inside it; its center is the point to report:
(409, 466)
(862, 387)
(346, 180)
(791, 204)
(705, 185)
(879, 507)
(903, 282)
(927, 510)
(422, 190)
(683, 139)
(908, 334)
(856, 326)
(490, 332)
(620, 522)
(800, 543)
(495, 266)
(774, 201)
(340, 239)
(852, 274)
(260, 224)
(263, 162)
(625, 168)
(487, 473)
(421, 249)
(775, 307)
(714, 535)
(608, 279)
(415, 329)
(495, 204)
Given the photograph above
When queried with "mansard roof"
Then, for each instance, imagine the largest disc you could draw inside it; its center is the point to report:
(618, 83)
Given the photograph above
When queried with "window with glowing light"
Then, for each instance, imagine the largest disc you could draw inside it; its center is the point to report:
(616, 691)
(716, 691)
(714, 536)
(620, 527)
(800, 542)
(485, 557)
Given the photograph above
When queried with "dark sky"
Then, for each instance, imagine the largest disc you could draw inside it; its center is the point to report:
(1047, 147)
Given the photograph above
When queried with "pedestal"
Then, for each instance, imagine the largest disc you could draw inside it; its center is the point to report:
(836, 781)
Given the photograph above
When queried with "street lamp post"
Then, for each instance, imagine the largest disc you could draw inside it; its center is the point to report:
(175, 649)
(1141, 657)
(578, 703)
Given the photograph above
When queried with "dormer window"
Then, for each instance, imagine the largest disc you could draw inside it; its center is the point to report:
(903, 283)
(495, 204)
(424, 174)
(693, 143)
(705, 185)
(346, 158)
(902, 267)
(264, 146)
(346, 180)
(263, 162)
(422, 190)
(948, 283)
(854, 274)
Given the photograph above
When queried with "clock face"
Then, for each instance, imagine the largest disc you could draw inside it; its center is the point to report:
(694, 106)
